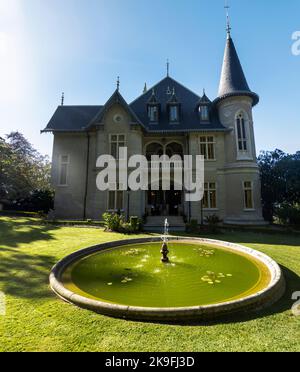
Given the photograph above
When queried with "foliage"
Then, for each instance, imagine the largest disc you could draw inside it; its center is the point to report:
(37, 201)
(288, 214)
(135, 224)
(192, 227)
(113, 221)
(24, 174)
(280, 178)
(117, 223)
(213, 221)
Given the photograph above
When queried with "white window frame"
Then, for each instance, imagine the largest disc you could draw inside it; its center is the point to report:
(252, 196)
(243, 154)
(117, 142)
(150, 108)
(206, 145)
(115, 200)
(208, 190)
(61, 163)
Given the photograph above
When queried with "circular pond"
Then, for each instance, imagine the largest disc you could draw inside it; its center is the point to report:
(203, 279)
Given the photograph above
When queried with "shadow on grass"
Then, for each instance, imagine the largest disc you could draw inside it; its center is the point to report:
(18, 231)
(26, 276)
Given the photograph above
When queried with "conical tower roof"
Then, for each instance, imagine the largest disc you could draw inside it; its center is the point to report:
(233, 81)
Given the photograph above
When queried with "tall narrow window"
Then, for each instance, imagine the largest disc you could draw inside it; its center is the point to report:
(116, 141)
(153, 114)
(207, 147)
(204, 113)
(174, 114)
(241, 133)
(248, 195)
(210, 196)
(115, 200)
(63, 170)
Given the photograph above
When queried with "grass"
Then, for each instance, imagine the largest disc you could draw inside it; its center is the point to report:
(38, 321)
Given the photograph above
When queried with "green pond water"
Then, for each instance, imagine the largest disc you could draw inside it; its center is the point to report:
(197, 275)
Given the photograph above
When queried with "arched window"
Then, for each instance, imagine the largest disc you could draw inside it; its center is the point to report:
(174, 148)
(154, 149)
(241, 133)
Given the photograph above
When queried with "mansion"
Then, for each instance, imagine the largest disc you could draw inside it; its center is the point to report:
(166, 119)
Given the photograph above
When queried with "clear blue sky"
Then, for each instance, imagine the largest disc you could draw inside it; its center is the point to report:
(80, 46)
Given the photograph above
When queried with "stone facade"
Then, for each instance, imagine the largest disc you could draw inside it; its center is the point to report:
(231, 173)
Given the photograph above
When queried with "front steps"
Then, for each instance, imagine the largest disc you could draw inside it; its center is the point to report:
(156, 224)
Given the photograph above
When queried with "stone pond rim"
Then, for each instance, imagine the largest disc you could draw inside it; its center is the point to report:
(262, 299)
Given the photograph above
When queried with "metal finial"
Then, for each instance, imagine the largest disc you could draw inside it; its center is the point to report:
(204, 92)
(145, 88)
(228, 28)
(168, 68)
(62, 98)
(118, 83)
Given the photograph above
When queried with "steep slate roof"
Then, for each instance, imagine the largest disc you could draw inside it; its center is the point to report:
(81, 118)
(72, 118)
(233, 81)
(189, 120)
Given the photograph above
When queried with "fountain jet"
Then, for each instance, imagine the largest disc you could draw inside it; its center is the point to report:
(164, 249)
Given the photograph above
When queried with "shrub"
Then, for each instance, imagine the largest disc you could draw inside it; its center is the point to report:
(40, 201)
(213, 222)
(192, 227)
(135, 224)
(116, 222)
(113, 221)
(288, 214)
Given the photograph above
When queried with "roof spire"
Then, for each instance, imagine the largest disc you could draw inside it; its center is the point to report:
(118, 83)
(228, 28)
(233, 81)
(62, 98)
(168, 67)
(145, 88)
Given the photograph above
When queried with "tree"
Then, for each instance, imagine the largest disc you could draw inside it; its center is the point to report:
(280, 178)
(24, 172)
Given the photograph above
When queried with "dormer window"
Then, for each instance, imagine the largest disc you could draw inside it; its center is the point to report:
(174, 114)
(204, 113)
(174, 108)
(153, 108)
(203, 106)
(153, 114)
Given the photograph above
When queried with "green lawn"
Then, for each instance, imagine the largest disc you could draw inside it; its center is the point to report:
(38, 321)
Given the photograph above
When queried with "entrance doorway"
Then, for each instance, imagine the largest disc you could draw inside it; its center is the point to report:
(165, 203)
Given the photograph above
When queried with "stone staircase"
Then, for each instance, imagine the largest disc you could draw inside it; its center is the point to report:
(156, 224)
